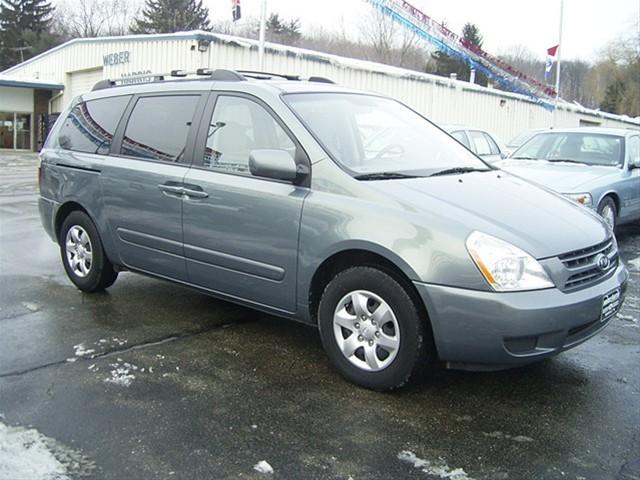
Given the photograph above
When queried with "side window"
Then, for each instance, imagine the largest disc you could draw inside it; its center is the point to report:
(91, 125)
(493, 146)
(238, 126)
(158, 127)
(634, 151)
(462, 138)
(481, 142)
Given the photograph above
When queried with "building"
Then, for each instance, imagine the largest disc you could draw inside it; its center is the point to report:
(58, 75)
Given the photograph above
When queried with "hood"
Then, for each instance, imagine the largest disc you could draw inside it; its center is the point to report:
(539, 221)
(561, 177)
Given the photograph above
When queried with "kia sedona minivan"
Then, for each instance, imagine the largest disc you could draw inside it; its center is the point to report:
(331, 206)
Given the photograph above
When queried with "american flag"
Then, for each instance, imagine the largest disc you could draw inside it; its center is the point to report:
(235, 10)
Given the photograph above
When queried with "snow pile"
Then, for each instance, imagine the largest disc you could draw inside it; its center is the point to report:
(442, 470)
(263, 467)
(121, 373)
(26, 453)
(635, 263)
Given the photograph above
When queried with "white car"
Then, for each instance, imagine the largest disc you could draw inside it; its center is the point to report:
(479, 141)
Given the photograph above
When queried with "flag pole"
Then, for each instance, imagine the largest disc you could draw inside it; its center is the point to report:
(559, 52)
(263, 25)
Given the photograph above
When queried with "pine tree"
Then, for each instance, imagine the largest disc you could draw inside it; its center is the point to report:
(168, 16)
(446, 65)
(279, 30)
(24, 30)
(613, 97)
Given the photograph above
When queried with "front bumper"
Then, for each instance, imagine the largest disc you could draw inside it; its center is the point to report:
(481, 330)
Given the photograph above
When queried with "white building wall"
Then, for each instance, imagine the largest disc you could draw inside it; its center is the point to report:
(440, 99)
(13, 99)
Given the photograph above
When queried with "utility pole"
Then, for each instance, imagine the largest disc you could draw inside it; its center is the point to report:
(263, 26)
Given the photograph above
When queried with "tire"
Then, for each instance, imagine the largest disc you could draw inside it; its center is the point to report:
(82, 254)
(386, 354)
(608, 211)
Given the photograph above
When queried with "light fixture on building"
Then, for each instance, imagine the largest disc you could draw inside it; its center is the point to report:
(203, 45)
(503, 102)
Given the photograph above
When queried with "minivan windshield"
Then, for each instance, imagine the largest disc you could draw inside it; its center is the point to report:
(376, 138)
(573, 147)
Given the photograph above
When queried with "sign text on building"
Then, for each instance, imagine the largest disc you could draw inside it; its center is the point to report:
(115, 58)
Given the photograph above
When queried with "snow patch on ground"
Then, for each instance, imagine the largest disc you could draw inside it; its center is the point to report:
(27, 454)
(635, 263)
(81, 351)
(263, 467)
(32, 307)
(629, 318)
(506, 436)
(431, 468)
(121, 373)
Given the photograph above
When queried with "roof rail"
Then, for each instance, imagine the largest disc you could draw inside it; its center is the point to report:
(269, 75)
(218, 74)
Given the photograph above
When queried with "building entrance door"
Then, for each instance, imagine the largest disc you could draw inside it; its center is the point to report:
(7, 128)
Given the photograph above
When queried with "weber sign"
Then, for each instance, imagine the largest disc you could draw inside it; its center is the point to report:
(115, 58)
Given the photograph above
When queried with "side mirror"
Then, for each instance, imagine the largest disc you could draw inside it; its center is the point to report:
(634, 163)
(277, 164)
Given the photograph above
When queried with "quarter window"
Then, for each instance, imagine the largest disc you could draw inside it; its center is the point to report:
(481, 141)
(238, 126)
(158, 127)
(90, 125)
(461, 137)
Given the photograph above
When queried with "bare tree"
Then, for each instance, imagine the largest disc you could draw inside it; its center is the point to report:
(95, 18)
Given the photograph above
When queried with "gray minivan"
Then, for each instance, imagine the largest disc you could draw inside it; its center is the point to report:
(277, 193)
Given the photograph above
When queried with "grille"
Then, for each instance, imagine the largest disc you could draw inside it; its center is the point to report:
(581, 264)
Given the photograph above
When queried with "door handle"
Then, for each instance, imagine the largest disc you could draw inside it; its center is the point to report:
(194, 193)
(171, 189)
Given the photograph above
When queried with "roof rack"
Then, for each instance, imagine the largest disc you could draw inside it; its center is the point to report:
(220, 75)
(269, 75)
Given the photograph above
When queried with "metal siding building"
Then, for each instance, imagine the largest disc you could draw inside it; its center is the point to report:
(80, 63)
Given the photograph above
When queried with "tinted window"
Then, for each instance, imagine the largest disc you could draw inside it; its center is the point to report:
(237, 127)
(158, 127)
(90, 125)
(461, 137)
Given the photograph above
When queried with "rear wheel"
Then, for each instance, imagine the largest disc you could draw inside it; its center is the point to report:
(608, 211)
(372, 329)
(82, 254)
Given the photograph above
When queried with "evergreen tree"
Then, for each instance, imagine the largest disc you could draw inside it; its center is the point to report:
(613, 96)
(24, 30)
(446, 65)
(282, 31)
(168, 16)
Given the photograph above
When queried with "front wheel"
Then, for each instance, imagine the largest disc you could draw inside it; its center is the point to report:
(608, 211)
(83, 257)
(372, 329)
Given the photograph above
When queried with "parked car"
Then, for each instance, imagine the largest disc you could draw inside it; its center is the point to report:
(596, 167)
(517, 141)
(482, 143)
(261, 192)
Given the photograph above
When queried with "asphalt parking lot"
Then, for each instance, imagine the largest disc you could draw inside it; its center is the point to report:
(153, 381)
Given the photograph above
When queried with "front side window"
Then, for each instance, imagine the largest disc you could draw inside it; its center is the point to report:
(371, 135)
(574, 147)
(238, 126)
(158, 127)
(90, 125)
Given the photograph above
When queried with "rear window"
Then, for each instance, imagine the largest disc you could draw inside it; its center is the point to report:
(90, 125)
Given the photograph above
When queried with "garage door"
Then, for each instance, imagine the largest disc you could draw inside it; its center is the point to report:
(84, 80)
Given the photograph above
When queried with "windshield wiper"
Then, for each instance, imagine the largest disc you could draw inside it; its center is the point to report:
(384, 176)
(523, 158)
(565, 160)
(452, 171)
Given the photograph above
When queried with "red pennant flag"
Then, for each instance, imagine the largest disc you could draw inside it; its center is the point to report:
(552, 51)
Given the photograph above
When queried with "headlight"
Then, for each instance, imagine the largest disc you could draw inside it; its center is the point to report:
(581, 198)
(504, 266)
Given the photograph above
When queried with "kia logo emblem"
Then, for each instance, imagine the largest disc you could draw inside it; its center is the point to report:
(602, 262)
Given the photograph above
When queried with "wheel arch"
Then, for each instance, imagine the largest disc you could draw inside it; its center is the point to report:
(63, 212)
(614, 196)
(352, 257)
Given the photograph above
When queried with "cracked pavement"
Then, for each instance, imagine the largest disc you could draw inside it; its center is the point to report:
(152, 380)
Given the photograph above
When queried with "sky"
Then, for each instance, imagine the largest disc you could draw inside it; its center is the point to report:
(589, 25)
